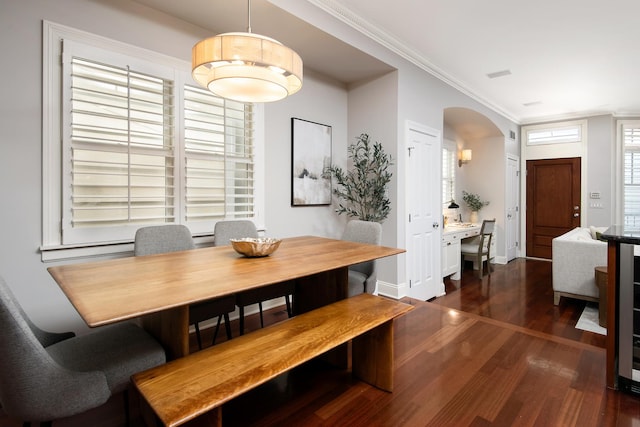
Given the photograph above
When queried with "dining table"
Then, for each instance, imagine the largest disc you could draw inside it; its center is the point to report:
(158, 289)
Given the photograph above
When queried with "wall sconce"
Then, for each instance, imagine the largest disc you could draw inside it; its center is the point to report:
(464, 157)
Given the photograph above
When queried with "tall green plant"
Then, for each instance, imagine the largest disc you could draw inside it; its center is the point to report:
(362, 190)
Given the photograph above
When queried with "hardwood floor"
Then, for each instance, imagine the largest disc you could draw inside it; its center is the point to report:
(491, 352)
(494, 351)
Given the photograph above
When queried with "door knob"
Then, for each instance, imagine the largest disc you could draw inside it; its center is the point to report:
(436, 224)
(576, 215)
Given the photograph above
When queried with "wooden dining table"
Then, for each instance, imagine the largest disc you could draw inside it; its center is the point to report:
(158, 289)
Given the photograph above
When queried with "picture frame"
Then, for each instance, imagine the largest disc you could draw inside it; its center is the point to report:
(310, 157)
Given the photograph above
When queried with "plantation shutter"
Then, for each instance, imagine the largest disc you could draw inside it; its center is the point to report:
(631, 144)
(448, 175)
(219, 158)
(119, 145)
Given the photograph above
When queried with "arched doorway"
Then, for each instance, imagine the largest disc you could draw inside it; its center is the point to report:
(492, 173)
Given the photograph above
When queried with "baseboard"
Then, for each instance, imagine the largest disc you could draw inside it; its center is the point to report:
(250, 309)
(500, 260)
(391, 290)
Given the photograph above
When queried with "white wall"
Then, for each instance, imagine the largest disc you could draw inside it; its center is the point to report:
(486, 172)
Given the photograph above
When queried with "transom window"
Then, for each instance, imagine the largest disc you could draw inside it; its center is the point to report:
(537, 135)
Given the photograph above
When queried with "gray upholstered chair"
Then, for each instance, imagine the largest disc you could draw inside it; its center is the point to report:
(46, 376)
(479, 248)
(157, 239)
(362, 277)
(223, 232)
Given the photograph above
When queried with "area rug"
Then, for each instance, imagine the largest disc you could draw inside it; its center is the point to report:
(589, 320)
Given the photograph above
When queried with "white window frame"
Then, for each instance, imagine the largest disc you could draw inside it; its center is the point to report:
(52, 247)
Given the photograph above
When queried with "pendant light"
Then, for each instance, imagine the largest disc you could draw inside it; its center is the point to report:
(246, 67)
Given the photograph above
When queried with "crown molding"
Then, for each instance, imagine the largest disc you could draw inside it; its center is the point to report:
(395, 45)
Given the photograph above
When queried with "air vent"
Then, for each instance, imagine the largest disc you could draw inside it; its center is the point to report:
(499, 74)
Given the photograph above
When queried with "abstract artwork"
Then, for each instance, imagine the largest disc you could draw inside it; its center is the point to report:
(310, 156)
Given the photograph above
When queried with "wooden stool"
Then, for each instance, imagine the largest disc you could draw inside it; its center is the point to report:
(601, 281)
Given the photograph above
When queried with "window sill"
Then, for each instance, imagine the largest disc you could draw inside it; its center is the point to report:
(53, 253)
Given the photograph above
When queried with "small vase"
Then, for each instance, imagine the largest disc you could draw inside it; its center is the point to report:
(474, 217)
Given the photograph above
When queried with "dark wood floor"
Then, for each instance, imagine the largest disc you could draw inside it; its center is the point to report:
(493, 352)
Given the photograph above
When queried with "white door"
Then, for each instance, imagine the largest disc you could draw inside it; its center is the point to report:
(512, 202)
(424, 208)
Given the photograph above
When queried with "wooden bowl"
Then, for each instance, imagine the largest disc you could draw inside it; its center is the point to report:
(255, 247)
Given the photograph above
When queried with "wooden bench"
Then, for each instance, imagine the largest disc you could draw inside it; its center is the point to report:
(201, 382)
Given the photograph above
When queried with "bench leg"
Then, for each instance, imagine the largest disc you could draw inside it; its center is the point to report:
(213, 418)
(372, 356)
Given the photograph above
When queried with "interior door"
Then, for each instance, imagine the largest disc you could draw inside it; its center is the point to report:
(424, 207)
(553, 202)
(512, 204)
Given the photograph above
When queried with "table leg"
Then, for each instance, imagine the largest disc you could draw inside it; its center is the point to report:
(318, 290)
(171, 329)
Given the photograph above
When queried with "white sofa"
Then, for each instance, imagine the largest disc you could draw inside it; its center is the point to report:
(575, 255)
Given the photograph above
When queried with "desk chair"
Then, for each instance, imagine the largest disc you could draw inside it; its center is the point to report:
(159, 239)
(480, 248)
(362, 277)
(223, 232)
(46, 376)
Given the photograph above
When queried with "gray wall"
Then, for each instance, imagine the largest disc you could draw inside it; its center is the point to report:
(600, 164)
(320, 100)
(380, 107)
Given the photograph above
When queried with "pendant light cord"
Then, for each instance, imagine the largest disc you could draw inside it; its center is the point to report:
(248, 16)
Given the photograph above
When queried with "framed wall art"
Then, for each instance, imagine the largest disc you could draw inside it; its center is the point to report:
(310, 156)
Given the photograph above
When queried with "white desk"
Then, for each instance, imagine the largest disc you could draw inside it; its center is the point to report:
(452, 236)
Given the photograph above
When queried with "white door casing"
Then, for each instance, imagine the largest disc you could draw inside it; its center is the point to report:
(424, 210)
(512, 205)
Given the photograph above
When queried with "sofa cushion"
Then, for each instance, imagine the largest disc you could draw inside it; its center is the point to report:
(583, 234)
(596, 232)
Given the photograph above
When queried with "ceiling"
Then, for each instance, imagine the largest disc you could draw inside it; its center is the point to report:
(553, 59)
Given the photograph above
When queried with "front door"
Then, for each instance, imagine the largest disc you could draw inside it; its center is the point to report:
(553, 202)
(424, 206)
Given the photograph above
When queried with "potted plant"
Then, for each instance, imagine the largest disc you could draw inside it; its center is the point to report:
(474, 203)
(362, 190)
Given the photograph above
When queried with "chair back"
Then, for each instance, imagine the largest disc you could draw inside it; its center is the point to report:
(363, 232)
(486, 234)
(33, 387)
(159, 239)
(233, 229)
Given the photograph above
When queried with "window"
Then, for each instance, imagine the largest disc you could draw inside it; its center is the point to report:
(448, 175)
(631, 174)
(141, 144)
(536, 135)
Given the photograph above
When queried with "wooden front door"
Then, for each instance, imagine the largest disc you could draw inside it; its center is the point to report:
(553, 202)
